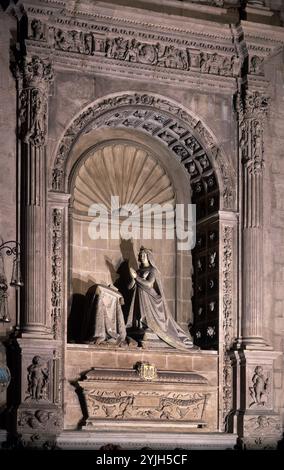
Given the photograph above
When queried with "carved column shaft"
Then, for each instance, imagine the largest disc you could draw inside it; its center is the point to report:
(35, 75)
(253, 283)
(251, 145)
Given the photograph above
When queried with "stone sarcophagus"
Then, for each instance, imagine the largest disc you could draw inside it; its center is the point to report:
(147, 398)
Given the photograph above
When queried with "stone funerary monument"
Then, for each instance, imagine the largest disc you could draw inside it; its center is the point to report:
(138, 341)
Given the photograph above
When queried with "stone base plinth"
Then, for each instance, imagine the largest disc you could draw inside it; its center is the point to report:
(140, 440)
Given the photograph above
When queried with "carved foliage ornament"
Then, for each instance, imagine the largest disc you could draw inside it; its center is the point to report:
(156, 116)
(56, 271)
(133, 405)
(227, 318)
(227, 284)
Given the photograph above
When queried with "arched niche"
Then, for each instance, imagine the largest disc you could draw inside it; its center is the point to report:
(138, 170)
(193, 148)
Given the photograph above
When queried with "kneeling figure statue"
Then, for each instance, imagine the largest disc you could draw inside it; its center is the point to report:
(149, 311)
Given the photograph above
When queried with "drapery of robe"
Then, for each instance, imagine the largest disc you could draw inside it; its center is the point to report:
(149, 307)
(105, 321)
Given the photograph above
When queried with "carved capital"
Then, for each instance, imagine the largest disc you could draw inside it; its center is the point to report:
(256, 104)
(36, 72)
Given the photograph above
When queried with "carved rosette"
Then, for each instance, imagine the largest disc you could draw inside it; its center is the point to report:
(56, 271)
(160, 118)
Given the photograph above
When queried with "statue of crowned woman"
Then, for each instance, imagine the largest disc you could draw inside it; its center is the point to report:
(149, 319)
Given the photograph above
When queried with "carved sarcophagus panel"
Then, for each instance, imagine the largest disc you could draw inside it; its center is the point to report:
(170, 400)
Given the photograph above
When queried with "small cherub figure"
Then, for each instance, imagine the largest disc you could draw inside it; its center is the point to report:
(37, 378)
(258, 390)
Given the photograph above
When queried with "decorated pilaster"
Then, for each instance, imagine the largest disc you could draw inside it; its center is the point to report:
(35, 76)
(227, 331)
(258, 423)
(252, 116)
(37, 353)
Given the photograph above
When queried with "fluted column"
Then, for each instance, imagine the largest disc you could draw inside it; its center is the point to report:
(252, 116)
(34, 77)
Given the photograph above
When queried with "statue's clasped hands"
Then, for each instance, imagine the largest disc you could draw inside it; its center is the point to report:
(133, 273)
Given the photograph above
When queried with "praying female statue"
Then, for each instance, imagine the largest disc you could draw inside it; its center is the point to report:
(149, 310)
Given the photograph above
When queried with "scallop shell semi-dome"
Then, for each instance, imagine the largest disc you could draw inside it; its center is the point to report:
(122, 170)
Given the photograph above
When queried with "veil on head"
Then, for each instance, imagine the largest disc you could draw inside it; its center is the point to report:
(150, 257)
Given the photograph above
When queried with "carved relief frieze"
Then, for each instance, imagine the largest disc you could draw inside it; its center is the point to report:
(100, 24)
(56, 271)
(157, 53)
(140, 405)
(158, 117)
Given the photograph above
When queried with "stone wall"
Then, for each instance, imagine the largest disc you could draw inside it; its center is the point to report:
(8, 173)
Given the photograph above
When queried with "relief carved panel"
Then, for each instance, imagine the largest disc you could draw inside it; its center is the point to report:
(227, 294)
(56, 271)
(38, 380)
(259, 389)
(140, 405)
